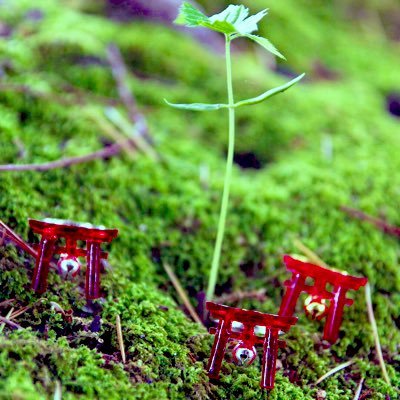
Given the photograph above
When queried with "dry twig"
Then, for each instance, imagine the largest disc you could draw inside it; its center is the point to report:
(21, 311)
(14, 237)
(2, 237)
(379, 223)
(312, 256)
(6, 302)
(107, 152)
(7, 317)
(137, 133)
(57, 391)
(120, 74)
(130, 132)
(182, 294)
(375, 333)
(136, 128)
(107, 128)
(334, 370)
(358, 390)
(10, 323)
(120, 339)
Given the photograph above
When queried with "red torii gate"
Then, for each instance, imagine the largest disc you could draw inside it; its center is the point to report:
(51, 230)
(245, 351)
(316, 304)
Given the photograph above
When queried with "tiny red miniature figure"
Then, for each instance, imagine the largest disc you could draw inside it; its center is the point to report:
(248, 328)
(51, 231)
(316, 305)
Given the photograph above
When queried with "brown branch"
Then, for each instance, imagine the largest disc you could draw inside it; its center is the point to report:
(10, 323)
(21, 148)
(21, 311)
(182, 293)
(7, 317)
(358, 390)
(3, 237)
(8, 233)
(379, 223)
(311, 255)
(130, 132)
(334, 370)
(128, 146)
(120, 74)
(15, 238)
(107, 152)
(6, 302)
(372, 320)
(120, 338)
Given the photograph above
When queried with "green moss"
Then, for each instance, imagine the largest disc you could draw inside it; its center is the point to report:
(167, 213)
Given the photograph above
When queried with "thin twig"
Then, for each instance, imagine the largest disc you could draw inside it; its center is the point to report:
(120, 339)
(21, 311)
(379, 223)
(375, 333)
(106, 127)
(130, 131)
(7, 317)
(239, 295)
(14, 237)
(358, 391)
(182, 294)
(10, 323)
(3, 237)
(107, 152)
(120, 74)
(24, 309)
(57, 391)
(6, 302)
(334, 370)
(313, 257)
(21, 148)
(17, 240)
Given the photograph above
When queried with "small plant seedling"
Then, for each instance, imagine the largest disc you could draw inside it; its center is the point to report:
(234, 22)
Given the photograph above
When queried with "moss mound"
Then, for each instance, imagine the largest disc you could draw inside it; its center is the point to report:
(326, 143)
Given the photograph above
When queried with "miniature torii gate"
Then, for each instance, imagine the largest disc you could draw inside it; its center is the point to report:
(316, 304)
(51, 230)
(245, 352)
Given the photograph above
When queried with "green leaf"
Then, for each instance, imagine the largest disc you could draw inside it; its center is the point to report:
(265, 43)
(220, 26)
(190, 16)
(269, 93)
(231, 14)
(250, 24)
(233, 19)
(197, 106)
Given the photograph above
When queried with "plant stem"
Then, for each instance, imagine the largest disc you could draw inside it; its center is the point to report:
(228, 175)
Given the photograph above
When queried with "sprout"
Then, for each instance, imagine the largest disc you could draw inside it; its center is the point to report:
(234, 22)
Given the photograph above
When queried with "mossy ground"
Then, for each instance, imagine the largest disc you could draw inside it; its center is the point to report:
(326, 143)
